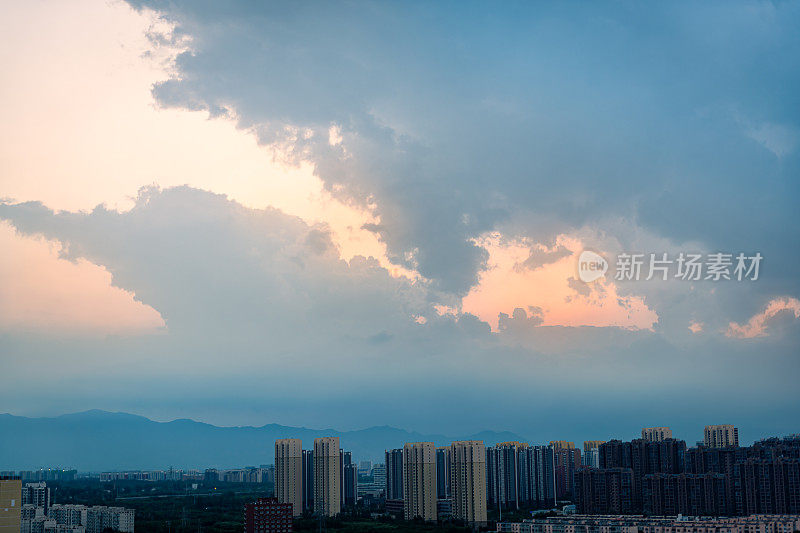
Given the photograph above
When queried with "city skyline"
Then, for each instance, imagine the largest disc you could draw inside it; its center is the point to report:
(642, 479)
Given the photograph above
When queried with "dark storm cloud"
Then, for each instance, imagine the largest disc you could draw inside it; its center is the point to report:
(456, 116)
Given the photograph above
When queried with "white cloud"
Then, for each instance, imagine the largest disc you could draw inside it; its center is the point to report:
(779, 139)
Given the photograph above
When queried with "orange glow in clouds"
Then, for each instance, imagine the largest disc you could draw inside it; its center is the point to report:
(758, 324)
(509, 283)
(81, 128)
(58, 296)
(100, 136)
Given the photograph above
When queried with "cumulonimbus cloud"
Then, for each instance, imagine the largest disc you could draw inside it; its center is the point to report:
(444, 147)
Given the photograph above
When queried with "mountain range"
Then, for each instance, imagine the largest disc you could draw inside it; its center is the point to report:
(93, 441)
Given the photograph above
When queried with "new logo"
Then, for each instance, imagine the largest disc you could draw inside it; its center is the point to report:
(591, 266)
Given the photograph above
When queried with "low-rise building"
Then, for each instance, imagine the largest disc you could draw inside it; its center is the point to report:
(98, 518)
(268, 515)
(444, 508)
(70, 518)
(68, 515)
(395, 507)
(642, 524)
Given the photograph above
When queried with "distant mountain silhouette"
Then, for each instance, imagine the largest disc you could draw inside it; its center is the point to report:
(101, 441)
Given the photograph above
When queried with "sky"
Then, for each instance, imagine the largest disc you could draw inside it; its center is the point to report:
(364, 213)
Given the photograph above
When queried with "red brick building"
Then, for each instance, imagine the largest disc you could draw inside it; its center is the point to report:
(266, 515)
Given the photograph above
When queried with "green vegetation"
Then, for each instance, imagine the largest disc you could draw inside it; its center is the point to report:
(217, 507)
(168, 506)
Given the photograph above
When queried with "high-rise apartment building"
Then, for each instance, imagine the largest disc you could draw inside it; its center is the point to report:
(686, 494)
(468, 480)
(379, 475)
(536, 471)
(518, 475)
(502, 475)
(345, 459)
(591, 457)
(656, 434)
(591, 444)
(702, 460)
(10, 504)
(721, 436)
(607, 491)
(394, 474)
(666, 478)
(419, 481)
(289, 473)
(443, 472)
(774, 447)
(308, 480)
(327, 476)
(568, 460)
(37, 494)
(562, 445)
(643, 457)
(350, 484)
(768, 486)
(349, 488)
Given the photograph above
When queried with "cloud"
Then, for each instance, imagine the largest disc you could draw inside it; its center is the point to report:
(380, 338)
(520, 319)
(779, 139)
(584, 289)
(424, 145)
(493, 134)
(261, 307)
(504, 286)
(105, 143)
(214, 267)
(46, 295)
(541, 255)
(758, 325)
